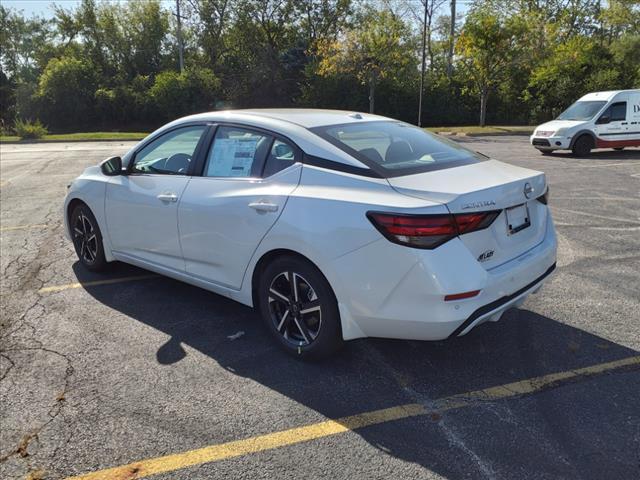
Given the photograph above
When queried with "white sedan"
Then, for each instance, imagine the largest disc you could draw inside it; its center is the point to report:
(334, 225)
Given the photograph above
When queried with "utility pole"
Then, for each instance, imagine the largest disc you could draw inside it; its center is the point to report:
(452, 34)
(424, 55)
(179, 35)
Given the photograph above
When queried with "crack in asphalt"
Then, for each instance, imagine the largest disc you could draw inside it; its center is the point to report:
(25, 270)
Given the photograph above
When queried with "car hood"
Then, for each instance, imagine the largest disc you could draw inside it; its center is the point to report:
(555, 125)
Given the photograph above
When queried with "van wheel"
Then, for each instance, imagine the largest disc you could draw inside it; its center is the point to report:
(618, 148)
(582, 146)
(299, 308)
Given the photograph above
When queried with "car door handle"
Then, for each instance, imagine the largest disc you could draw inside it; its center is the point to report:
(168, 197)
(264, 206)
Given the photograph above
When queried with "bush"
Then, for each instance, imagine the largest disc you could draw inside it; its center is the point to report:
(176, 94)
(30, 130)
(65, 93)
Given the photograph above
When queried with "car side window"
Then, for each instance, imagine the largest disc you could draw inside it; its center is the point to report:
(170, 154)
(280, 157)
(237, 152)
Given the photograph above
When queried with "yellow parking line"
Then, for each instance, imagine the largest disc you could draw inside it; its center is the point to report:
(23, 227)
(214, 453)
(68, 286)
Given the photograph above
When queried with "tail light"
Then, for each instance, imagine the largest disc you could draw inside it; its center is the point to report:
(429, 231)
(544, 198)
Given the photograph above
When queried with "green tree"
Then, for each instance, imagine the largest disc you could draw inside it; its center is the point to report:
(575, 67)
(66, 92)
(488, 47)
(176, 94)
(381, 46)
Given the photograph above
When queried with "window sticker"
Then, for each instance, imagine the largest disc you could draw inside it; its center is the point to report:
(232, 157)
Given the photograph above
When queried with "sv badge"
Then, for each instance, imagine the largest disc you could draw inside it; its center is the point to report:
(484, 256)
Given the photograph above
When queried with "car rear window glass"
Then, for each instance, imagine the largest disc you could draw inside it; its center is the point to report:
(396, 148)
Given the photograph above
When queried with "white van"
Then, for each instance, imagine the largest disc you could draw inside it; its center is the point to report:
(597, 120)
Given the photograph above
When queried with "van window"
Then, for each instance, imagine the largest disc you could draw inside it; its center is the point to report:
(582, 111)
(616, 112)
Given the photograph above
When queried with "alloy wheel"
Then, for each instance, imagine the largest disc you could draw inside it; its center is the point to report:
(295, 308)
(85, 238)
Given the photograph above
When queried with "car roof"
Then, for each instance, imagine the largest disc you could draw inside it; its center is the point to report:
(303, 117)
(293, 123)
(608, 95)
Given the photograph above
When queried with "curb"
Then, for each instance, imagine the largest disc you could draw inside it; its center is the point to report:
(481, 134)
(84, 140)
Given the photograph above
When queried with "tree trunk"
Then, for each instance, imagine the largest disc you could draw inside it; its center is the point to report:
(484, 96)
(452, 34)
(372, 92)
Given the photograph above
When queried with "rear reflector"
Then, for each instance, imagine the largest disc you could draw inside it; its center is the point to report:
(429, 231)
(461, 296)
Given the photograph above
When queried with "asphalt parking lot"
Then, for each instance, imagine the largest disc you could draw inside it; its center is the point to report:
(134, 373)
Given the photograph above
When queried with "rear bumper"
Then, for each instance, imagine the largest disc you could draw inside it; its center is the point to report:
(494, 310)
(401, 294)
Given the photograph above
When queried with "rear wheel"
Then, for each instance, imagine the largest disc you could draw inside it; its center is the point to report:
(87, 238)
(299, 308)
(582, 146)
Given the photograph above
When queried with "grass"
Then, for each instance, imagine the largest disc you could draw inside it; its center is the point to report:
(82, 136)
(469, 130)
(488, 130)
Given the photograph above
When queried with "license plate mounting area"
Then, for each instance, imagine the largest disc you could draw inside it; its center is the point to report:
(517, 218)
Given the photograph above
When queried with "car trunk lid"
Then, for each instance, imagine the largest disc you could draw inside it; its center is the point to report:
(487, 186)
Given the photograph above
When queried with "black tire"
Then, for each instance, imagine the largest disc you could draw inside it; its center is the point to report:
(582, 146)
(619, 149)
(545, 152)
(313, 334)
(87, 238)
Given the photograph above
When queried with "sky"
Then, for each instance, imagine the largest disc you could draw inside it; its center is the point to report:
(44, 8)
(41, 8)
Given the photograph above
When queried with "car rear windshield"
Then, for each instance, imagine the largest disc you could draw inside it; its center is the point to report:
(582, 111)
(394, 148)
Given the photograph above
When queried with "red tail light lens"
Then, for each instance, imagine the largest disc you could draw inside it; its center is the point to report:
(420, 231)
(470, 222)
(429, 231)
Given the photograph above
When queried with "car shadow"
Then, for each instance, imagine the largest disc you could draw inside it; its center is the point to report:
(603, 154)
(581, 430)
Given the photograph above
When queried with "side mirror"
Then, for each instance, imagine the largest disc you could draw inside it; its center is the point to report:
(604, 119)
(112, 166)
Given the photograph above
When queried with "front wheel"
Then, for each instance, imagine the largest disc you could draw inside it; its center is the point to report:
(545, 151)
(87, 238)
(299, 308)
(582, 146)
